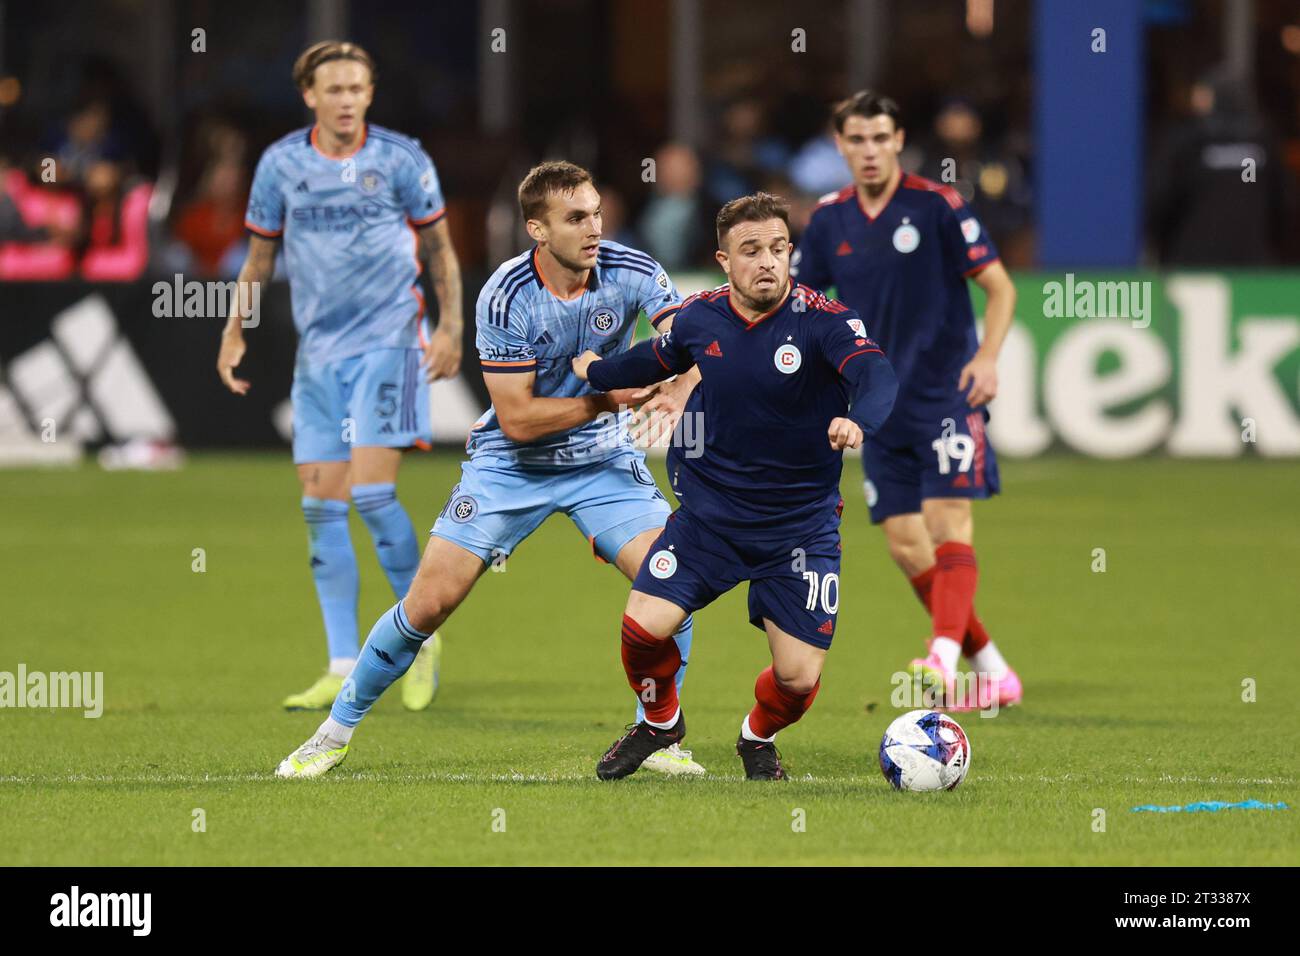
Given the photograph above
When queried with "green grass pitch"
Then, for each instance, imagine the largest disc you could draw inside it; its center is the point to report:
(1134, 683)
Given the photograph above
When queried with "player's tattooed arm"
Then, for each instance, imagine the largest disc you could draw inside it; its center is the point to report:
(259, 266)
(442, 354)
(526, 417)
(980, 374)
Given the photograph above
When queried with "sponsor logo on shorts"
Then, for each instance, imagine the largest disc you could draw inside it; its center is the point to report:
(906, 237)
(663, 564)
(788, 359)
(463, 509)
(603, 321)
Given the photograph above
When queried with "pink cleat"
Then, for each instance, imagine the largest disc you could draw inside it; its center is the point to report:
(995, 692)
(1008, 689)
(936, 681)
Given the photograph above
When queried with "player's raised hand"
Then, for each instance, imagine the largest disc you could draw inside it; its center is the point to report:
(582, 361)
(441, 355)
(228, 359)
(844, 433)
(981, 374)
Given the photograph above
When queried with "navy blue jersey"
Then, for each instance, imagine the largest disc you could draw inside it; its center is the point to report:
(768, 392)
(905, 272)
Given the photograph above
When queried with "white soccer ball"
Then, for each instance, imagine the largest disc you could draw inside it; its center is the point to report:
(924, 750)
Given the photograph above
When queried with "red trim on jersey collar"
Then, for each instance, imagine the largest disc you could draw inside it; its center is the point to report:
(314, 138)
(892, 193)
(768, 314)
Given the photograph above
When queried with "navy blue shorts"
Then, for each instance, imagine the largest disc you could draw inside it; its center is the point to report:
(958, 462)
(796, 585)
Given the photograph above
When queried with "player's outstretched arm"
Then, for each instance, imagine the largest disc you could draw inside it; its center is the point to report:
(443, 352)
(525, 417)
(258, 268)
(643, 364)
(874, 387)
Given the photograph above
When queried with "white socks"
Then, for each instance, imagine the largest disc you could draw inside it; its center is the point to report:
(947, 650)
(988, 660)
(335, 732)
(750, 735)
(668, 726)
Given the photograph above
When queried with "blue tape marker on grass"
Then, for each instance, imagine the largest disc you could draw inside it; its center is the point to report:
(1211, 806)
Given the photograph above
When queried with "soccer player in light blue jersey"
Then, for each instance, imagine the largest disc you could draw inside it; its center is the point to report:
(549, 442)
(360, 212)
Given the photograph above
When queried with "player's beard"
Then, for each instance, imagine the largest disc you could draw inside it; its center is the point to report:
(760, 301)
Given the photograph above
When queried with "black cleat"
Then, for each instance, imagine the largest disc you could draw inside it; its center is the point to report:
(631, 750)
(762, 760)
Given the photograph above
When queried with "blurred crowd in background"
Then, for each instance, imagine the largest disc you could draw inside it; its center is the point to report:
(104, 178)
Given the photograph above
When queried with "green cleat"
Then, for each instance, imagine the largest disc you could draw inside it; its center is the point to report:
(674, 761)
(319, 696)
(420, 683)
(312, 759)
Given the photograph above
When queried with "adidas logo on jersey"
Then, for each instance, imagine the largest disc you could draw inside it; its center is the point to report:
(302, 187)
(543, 339)
(845, 249)
(714, 349)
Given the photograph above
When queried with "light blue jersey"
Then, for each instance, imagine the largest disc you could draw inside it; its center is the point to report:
(525, 327)
(348, 246)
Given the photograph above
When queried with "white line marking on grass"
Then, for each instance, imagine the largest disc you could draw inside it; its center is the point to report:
(374, 776)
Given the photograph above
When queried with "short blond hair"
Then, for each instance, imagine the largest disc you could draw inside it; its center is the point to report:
(304, 68)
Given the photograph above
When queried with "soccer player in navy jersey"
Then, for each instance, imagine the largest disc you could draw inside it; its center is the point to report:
(788, 379)
(360, 212)
(899, 249)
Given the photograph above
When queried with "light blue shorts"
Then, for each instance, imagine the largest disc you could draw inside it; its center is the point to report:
(379, 398)
(499, 503)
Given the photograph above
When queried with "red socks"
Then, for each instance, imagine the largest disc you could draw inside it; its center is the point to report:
(955, 565)
(651, 666)
(952, 596)
(776, 707)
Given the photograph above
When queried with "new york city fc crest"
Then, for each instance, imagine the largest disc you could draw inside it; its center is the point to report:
(370, 181)
(603, 321)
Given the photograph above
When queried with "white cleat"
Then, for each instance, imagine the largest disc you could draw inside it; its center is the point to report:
(312, 759)
(673, 761)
